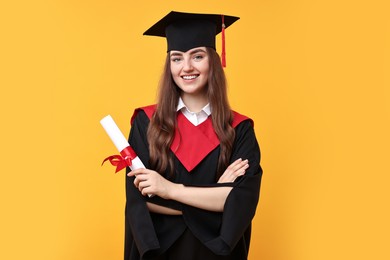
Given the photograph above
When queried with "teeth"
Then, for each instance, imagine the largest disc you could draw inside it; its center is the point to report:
(190, 77)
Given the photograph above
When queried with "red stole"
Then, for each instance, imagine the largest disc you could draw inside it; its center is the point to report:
(191, 143)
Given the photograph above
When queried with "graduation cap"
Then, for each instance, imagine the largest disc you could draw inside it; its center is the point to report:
(185, 31)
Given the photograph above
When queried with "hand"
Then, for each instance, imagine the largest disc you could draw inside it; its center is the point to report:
(150, 183)
(236, 169)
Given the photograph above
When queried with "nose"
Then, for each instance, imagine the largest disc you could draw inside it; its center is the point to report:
(187, 66)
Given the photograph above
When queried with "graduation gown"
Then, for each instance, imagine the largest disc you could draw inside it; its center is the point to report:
(195, 157)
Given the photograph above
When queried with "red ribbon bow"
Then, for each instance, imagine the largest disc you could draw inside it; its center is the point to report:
(123, 160)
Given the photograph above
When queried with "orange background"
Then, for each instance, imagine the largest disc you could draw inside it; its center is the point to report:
(314, 75)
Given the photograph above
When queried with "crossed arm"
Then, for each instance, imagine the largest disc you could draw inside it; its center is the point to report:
(207, 198)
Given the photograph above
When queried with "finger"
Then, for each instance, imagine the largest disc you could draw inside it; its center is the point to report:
(143, 185)
(137, 172)
(136, 182)
(240, 173)
(243, 162)
(233, 167)
(240, 165)
(140, 178)
(236, 162)
(147, 191)
(246, 166)
(132, 173)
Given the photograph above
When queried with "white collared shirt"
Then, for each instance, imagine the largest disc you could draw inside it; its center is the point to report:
(194, 118)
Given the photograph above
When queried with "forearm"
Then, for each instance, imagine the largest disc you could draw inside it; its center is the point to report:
(162, 210)
(207, 198)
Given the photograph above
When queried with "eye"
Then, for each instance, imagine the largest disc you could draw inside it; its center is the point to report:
(198, 57)
(176, 59)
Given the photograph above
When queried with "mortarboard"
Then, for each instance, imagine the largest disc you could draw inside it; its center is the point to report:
(185, 31)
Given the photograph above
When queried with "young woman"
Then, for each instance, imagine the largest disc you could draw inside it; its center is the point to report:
(199, 191)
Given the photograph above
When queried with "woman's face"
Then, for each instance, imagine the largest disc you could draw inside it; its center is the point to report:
(190, 70)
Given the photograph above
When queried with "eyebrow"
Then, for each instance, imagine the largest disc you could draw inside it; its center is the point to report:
(191, 53)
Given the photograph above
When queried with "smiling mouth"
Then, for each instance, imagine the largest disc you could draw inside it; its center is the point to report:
(189, 77)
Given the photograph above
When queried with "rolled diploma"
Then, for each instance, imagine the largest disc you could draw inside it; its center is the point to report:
(119, 140)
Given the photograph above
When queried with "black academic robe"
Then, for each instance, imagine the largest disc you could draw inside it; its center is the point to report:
(148, 234)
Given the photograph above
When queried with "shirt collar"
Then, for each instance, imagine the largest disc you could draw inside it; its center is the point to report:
(181, 105)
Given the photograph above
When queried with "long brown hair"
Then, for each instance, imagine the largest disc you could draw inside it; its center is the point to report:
(162, 126)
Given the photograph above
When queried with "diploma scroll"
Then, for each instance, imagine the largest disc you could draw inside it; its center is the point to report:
(128, 157)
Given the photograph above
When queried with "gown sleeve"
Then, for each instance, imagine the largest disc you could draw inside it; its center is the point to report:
(139, 227)
(143, 228)
(241, 203)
